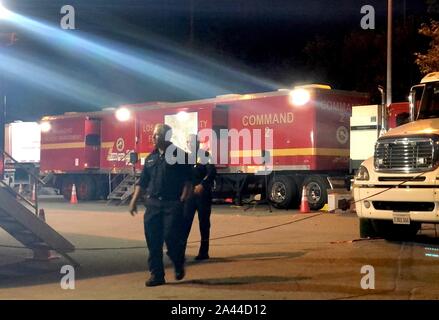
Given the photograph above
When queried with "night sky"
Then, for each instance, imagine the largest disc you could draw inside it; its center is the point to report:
(182, 49)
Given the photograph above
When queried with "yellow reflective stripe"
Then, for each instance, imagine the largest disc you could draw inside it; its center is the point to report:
(107, 144)
(292, 152)
(69, 145)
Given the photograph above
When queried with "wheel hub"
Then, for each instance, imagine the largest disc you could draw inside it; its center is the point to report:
(278, 192)
(314, 192)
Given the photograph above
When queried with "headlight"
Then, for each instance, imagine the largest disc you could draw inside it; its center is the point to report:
(362, 174)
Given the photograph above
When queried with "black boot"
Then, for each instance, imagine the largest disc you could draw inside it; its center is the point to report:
(154, 282)
(203, 253)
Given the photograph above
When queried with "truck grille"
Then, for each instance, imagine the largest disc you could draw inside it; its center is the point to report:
(405, 154)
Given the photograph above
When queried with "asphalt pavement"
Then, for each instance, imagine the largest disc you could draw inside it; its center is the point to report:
(255, 254)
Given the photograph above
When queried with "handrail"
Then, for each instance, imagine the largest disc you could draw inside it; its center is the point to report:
(36, 182)
(24, 167)
(35, 206)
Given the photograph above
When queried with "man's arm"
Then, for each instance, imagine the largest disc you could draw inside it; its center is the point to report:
(187, 173)
(208, 180)
(138, 190)
(210, 175)
(133, 204)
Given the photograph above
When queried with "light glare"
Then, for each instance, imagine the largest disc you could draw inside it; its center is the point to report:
(123, 114)
(45, 126)
(4, 13)
(182, 116)
(300, 97)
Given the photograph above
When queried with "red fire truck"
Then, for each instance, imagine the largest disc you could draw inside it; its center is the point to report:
(305, 133)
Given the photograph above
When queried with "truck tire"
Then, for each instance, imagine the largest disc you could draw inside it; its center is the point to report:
(86, 188)
(366, 228)
(389, 231)
(316, 191)
(282, 190)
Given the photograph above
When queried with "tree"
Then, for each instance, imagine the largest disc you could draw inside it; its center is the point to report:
(353, 61)
(429, 62)
(356, 60)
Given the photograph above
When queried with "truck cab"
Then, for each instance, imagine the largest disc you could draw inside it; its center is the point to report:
(397, 189)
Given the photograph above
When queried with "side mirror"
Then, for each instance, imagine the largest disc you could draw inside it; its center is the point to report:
(412, 108)
(134, 157)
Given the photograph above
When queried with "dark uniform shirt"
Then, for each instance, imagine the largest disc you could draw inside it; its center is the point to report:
(162, 180)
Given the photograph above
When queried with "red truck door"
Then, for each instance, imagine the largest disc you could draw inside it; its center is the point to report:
(92, 144)
(220, 121)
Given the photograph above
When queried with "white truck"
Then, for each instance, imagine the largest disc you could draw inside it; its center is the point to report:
(397, 189)
(22, 143)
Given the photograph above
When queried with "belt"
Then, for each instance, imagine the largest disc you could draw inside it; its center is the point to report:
(160, 198)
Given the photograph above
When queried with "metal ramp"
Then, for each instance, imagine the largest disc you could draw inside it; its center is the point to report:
(122, 193)
(27, 228)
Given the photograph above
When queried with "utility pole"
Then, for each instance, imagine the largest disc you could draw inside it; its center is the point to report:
(191, 23)
(389, 52)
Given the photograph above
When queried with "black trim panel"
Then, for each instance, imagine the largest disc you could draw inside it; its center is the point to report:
(373, 127)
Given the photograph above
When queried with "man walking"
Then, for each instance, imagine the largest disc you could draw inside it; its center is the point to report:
(203, 177)
(166, 178)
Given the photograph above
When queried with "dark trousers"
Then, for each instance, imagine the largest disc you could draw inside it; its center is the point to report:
(203, 205)
(163, 222)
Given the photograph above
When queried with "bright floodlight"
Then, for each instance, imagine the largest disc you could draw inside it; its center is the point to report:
(4, 13)
(182, 116)
(123, 114)
(45, 126)
(300, 97)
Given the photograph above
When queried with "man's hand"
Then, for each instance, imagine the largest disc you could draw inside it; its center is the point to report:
(198, 189)
(133, 203)
(133, 208)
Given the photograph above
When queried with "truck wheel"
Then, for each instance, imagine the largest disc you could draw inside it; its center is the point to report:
(66, 187)
(366, 228)
(86, 188)
(281, 191)
(316, 191)
(390, 231)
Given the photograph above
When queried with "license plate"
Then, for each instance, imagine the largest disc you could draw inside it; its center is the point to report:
(400, 218)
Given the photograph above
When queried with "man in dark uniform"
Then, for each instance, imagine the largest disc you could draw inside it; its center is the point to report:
(166, 178)
(203, 176)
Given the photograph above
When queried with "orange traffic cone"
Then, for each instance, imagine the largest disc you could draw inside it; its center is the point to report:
(304, 207)
(73, 198)
(34, 193)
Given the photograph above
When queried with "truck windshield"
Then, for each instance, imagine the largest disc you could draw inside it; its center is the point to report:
(429, 101)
